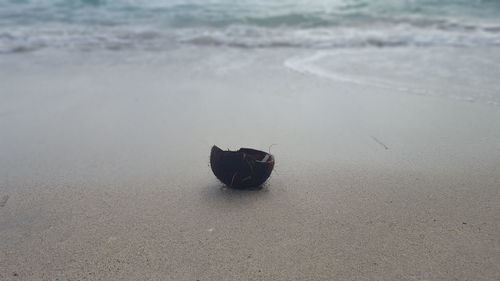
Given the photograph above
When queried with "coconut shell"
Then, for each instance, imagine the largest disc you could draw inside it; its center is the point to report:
(245, 168)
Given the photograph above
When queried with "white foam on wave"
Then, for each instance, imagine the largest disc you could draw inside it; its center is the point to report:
(153, 38)
(309, 65)
(345, 37)
(443, 72)
(384, 32)
(83, 38)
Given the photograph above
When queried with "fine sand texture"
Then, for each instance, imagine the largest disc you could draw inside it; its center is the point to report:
(104, 175)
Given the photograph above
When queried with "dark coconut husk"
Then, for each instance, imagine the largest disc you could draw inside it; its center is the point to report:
(245, 168)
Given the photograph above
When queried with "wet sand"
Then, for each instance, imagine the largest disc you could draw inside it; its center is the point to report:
(104, 176)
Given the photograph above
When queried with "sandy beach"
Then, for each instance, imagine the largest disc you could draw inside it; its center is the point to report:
(104, 173)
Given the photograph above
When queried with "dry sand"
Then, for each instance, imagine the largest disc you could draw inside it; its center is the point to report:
(104, 176)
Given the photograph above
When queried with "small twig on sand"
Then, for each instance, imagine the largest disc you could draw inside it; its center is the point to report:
(379, 142)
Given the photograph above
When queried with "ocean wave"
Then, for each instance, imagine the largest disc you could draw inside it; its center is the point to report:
(382, 35)
(223, 13)
(343, 37)
(29, 39)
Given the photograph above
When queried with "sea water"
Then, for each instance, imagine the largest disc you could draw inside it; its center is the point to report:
(413, 42)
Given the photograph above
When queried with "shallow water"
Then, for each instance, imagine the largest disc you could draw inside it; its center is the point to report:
(440, 48)
(459, 73)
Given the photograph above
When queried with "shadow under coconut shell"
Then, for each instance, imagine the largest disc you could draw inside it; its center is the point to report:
(221, 194)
